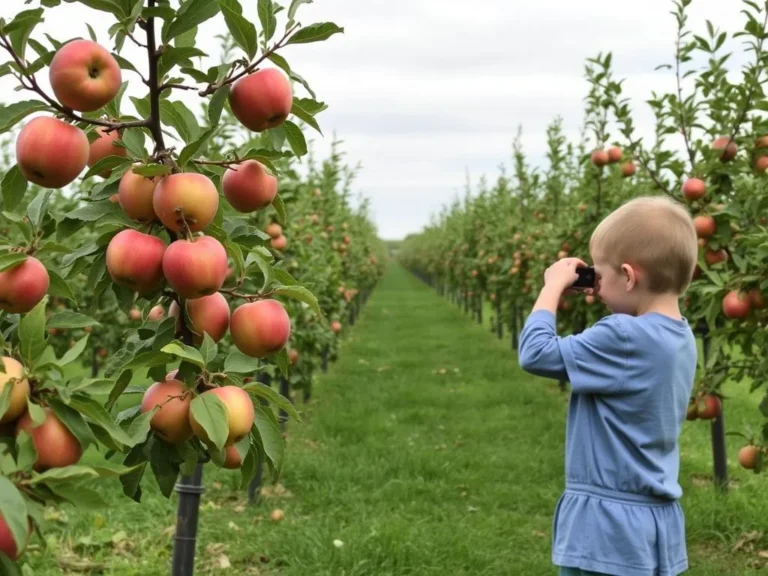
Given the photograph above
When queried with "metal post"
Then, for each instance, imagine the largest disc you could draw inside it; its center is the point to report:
(480, 308)
(324, 365)
(513, 314)
(190, 489)
(499, 323)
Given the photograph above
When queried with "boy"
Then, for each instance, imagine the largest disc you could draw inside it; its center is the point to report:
(631, 377)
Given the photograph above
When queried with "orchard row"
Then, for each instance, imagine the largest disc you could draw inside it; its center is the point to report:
(710, 153)
(152, 254)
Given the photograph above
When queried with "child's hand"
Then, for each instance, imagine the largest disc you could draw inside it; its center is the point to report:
(562, 274)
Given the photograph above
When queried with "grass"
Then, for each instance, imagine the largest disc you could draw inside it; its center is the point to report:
(425, 451)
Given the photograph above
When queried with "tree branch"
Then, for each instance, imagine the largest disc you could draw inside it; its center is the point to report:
(154, 88)
(683, 124)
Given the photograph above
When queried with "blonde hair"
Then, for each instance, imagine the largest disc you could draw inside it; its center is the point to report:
(654, 234)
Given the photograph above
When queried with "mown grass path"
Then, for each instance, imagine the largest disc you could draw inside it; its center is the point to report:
(425, 451)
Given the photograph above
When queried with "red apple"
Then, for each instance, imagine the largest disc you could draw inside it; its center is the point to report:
(104, 146)
(17, 404)
(279, 243)
(262, 100)
(195, 268)
(694, 189)
(713, 257)
(56, 446)
(135, 260)
(614, 155)
(23, 286)
(135, 195)
(232, 459)
(761, 164)
(711, 407)
(727, 148)
(240, 414)
(260, 328)
(208, 314)
(293, 356)
(736, 305)
(756, 299)
(249, 187)
(705, 226)
(84, 76)
(274, 230)
(134, 314)
(335, 326)
(693, 412)
(8, 544)
(186, 197)
(628, 169)
(171, 421)
(156, 313)
(51, 153)
(600, 158)
(748, 457)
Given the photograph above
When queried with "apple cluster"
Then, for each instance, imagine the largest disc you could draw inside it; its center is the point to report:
(614, 155)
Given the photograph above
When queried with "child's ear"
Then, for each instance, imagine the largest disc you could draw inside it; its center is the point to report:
(630, 276)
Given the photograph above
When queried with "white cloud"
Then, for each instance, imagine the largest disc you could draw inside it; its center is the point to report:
(421, 91)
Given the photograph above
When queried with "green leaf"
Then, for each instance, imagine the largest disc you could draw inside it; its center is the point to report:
(191, 151)
(208, 349)
(74, 472)
(112, 6)
(284, 277)
(134, 143)
(211, 414)
(164, 467)
(74, 353)
(107, 163)
(14, 187)
(76, 493)
(295, 6)
(27, 454)
(191, 13)
(185, 352)
(315, 33)
(243, 32)
(32, 333)
(14, 509)
(267, 19)
(173, 55)
(263, 263)
(281, 359)
(279, 207)
(11, 260)
(151, 170)
(69, 319)
(36, 208)
(271, 439)
(73, 420)
(95, 412)
(239, 363)
(19, 29)
(5, 397)
(59, 287)
(180, 118)
(302, 294)
(139, 428)
(266, 392)
(301, 109)
(295, 138)
(216, 105)
(36, 412)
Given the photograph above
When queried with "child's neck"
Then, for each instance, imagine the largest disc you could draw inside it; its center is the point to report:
(665, 304)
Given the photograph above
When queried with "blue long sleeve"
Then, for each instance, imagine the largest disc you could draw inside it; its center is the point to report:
(539, 350)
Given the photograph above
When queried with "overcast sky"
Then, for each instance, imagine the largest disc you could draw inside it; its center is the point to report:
(422, 91)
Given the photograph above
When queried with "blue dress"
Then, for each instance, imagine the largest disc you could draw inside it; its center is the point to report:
(631, 380)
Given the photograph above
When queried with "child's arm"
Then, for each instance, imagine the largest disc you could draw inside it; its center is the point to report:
(593, 361)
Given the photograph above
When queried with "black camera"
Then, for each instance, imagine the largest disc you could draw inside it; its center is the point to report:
(586, 279)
